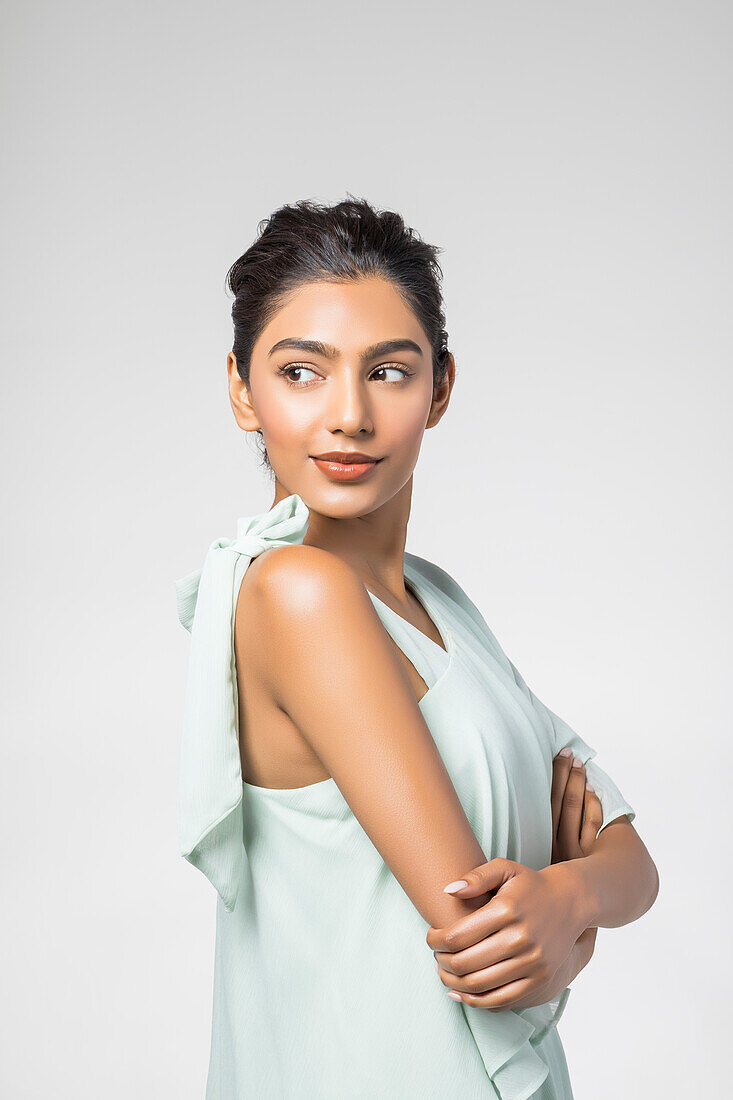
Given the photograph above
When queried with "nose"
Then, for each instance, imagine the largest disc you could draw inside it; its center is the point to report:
(348, 405)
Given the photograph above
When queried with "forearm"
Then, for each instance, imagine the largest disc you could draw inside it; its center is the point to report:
(576, 961)
(618, 882)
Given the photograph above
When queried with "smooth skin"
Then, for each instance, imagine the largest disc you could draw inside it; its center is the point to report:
(347, 366)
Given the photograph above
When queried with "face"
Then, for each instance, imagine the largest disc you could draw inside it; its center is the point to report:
(341, 368)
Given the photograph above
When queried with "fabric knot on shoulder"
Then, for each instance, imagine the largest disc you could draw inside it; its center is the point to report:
(210, 789)
(286, 522)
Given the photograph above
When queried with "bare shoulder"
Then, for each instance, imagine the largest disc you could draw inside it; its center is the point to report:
(304, 568)
(296, 599)
(300, 580)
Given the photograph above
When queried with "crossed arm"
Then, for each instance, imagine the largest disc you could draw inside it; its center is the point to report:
(604, 879)
(616, 879)
(538, 928)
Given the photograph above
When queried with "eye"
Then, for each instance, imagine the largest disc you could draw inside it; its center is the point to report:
(298, 368)
(400, 371)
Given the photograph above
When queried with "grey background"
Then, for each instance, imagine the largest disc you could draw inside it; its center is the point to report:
(574, 161)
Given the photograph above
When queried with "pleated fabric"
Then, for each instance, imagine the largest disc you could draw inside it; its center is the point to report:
(324, 986)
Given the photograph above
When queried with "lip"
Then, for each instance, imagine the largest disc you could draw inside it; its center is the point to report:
(345, 465)
(347, 457)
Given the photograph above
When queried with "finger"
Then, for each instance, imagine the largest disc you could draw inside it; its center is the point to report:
(501, 945)
(492, 977)
(560, 771)
(593, 819)
(499, 1000)
(483, 879)
(572, 807)
(471, 929)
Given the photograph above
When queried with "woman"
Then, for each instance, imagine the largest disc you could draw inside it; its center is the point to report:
(356, 744)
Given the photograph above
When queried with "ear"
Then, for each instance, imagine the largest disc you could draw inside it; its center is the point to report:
(441, 393)
(240, 398)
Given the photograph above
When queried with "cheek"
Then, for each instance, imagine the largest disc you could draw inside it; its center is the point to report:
(283, 422)
(403, 425)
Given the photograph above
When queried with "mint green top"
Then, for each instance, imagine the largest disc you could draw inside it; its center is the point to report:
(324, 985)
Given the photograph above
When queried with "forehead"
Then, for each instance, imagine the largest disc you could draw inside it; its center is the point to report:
(348, 314)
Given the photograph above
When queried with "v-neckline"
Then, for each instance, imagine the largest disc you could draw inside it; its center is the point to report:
(444, 632)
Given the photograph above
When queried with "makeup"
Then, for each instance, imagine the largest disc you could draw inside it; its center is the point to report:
(345, 465)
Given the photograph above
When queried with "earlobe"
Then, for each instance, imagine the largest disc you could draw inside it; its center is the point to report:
(437, 408)
(441, 396)
(441, 393)
(240, 398)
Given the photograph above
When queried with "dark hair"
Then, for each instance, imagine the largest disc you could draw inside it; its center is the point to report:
(308, 241)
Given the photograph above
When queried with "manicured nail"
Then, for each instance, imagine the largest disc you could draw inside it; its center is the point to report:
(455, 996)
(577, 762)
(589, 788)
(566, 751)
(453, 886)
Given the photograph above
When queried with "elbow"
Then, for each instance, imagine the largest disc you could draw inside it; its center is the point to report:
(650, 880)
(647, 876)
(654, 876)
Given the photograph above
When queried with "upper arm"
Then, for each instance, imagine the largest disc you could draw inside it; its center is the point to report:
(332, 667)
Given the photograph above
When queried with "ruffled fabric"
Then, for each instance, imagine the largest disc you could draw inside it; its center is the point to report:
(210, 823)
(507, 1040)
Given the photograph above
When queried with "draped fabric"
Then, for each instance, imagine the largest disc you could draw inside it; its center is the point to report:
(210, 787)
(324, 985)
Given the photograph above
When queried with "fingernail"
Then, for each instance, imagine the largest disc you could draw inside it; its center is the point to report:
(566, 751)
(589, 788)
(577, 762)
(437, 965)
(455, 996)
(453, 886)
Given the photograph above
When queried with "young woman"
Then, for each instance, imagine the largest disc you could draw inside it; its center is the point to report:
(356, 744)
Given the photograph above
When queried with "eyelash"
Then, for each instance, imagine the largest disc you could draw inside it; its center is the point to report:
(284, 370)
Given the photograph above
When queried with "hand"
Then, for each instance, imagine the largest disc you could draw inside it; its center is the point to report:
(577, 814)
(520, 948)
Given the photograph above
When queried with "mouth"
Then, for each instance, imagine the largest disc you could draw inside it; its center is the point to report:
(345, 465)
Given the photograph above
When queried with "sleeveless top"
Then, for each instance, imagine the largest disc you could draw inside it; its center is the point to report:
(324, 985)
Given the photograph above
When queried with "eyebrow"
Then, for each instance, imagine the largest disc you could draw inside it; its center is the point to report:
(328, 351)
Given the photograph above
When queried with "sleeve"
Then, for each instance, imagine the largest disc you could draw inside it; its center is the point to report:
(613, 803)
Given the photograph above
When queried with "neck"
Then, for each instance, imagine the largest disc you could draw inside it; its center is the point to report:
(373, 543)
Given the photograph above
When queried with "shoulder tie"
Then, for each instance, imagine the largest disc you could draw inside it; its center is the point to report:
(210, 822)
